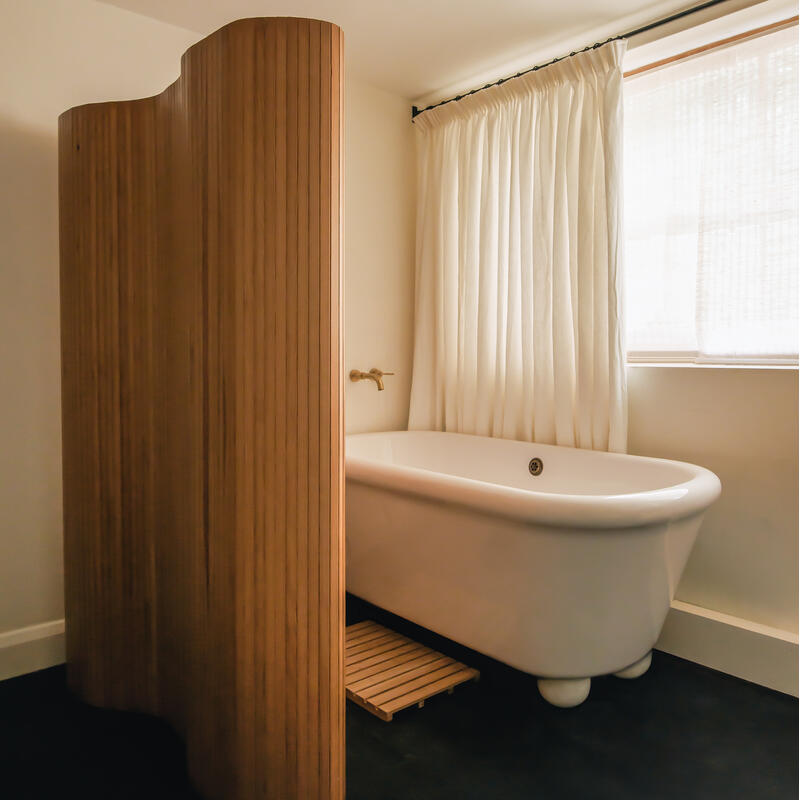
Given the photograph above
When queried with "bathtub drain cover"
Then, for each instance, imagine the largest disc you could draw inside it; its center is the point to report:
(535, 466)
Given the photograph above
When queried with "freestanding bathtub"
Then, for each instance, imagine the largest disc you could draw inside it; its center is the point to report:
(559, 562)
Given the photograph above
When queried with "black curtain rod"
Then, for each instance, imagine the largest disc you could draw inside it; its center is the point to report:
(657, 24)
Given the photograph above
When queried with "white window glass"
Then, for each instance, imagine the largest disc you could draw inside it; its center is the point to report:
(711, 205)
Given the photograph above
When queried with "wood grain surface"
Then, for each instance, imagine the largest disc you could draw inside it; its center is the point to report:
(386, 672)
(202, 407)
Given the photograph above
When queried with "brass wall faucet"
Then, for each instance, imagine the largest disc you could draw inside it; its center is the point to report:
(373, 375)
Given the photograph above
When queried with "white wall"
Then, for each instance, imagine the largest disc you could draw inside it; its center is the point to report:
(738, 598)
(55, 54)
(742, 425)
(379, 268)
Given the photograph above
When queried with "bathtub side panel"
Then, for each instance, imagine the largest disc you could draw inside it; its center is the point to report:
(554, 602)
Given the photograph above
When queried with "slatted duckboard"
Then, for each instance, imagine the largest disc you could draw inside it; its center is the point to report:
(386, 672)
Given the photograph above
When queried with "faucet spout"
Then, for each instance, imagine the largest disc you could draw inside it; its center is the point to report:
(377, 376)
(373, 375)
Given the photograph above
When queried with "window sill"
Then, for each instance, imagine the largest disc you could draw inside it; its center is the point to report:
(693, 365)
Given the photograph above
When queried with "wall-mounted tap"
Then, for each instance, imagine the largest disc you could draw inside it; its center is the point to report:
(373, 375)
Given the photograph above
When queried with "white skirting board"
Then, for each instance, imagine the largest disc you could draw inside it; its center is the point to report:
(757, 653)
(29, 649)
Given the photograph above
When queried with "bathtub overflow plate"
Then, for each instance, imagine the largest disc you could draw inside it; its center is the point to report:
(535, 466)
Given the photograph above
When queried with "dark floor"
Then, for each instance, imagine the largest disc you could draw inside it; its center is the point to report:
(680, 731)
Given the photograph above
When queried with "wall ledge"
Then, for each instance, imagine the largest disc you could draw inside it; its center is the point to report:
(739, 647)
(31, 648)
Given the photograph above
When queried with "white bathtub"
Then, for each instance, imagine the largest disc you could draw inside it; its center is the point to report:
(566, 575)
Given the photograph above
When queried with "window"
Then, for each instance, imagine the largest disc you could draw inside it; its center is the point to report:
(711, 205)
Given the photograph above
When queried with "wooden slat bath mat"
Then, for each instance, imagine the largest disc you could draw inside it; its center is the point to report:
(386, 672)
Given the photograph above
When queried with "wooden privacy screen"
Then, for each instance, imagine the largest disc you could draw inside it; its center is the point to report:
(202, 407)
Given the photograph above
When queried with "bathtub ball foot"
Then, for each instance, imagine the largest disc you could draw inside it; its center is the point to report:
(564, 692)
(637, 669)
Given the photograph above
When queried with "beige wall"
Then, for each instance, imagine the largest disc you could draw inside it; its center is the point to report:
(53, 54)
(742, 425)
(58, 53)
(379, 268)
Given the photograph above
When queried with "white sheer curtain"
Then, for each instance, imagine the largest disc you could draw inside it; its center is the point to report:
(518, 294)
(711, 205)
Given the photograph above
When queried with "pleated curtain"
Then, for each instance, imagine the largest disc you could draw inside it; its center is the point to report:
(518, 330)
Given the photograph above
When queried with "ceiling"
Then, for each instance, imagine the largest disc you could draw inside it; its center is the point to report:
(431, 48)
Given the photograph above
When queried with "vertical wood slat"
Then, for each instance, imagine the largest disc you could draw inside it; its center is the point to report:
(203, 453)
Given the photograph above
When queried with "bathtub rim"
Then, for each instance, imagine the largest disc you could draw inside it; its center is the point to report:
(583, 511)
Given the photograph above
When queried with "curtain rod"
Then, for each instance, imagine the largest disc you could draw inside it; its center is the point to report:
(650, 26)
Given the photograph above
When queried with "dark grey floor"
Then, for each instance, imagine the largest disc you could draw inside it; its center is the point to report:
(680, 731)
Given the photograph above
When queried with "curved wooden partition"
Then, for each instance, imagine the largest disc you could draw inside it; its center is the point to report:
(202, 407)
